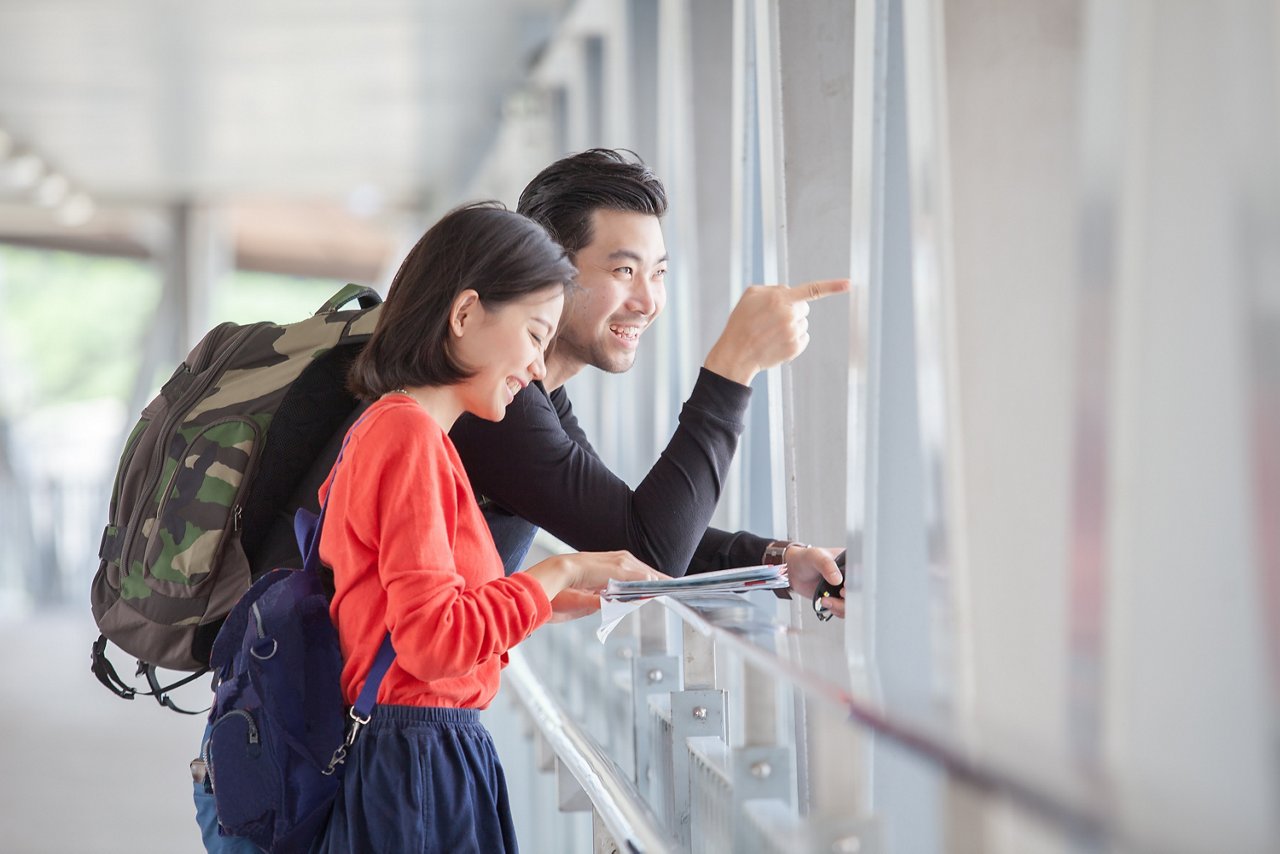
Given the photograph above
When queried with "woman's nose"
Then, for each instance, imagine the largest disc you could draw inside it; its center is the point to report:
(538, 367)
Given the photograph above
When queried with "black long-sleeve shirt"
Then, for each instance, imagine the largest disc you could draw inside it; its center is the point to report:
(537, 468)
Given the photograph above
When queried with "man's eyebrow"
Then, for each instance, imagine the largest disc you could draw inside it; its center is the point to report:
(628, 255)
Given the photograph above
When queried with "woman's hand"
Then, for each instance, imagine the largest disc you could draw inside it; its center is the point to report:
(592, 571)
(589, 572)
(573, 605)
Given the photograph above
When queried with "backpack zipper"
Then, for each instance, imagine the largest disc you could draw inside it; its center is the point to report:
(257, 620)
(208, 760)
(176, 412)
(125, 458)
(248, 719)
(264, 655)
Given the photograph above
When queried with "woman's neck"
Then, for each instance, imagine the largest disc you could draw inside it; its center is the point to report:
(441, 402)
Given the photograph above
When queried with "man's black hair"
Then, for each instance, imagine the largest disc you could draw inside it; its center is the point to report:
(563, 196)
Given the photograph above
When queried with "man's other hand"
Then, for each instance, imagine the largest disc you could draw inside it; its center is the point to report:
(806, 565)
(768, 326)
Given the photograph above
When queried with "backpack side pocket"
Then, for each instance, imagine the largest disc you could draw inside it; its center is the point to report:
(198, 504)
(239, 752)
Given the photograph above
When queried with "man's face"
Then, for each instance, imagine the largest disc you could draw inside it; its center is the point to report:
(621, 277)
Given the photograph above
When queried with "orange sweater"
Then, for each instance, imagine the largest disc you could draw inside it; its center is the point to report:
(411, 552)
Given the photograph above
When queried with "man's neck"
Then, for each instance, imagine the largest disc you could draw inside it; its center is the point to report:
(559, 371)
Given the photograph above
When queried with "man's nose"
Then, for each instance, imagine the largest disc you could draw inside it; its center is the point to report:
(643, 298)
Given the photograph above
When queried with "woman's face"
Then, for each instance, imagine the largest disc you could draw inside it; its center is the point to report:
(504, 345)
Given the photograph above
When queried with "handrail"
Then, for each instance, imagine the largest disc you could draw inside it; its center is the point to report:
(1075, 805)
(617, 802)
(1081, 813)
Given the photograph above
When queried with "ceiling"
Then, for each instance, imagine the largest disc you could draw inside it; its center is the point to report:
(346, 110)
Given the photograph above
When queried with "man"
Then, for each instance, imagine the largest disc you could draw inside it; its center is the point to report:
(536, 466)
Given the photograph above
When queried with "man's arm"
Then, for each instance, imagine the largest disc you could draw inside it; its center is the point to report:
(725, 549)
(530, 464)
(716, 549)
(767, 327)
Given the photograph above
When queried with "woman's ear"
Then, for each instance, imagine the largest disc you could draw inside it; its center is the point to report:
(466, 306)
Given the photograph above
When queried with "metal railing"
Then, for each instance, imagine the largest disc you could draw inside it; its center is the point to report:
(672, 774)
(625, 815)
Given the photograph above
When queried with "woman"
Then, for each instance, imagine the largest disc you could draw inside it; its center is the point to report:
(464, 328)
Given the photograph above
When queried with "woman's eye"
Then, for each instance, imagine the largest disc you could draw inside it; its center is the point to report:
(537, 339)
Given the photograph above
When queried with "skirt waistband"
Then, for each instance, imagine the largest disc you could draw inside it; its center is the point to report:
(424, 714)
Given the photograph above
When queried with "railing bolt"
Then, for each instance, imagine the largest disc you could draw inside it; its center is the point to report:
(624, 652)
(655, 675)
(700, 712)
(761, 770)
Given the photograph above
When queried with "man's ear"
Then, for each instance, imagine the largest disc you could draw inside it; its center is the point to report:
(466, 307)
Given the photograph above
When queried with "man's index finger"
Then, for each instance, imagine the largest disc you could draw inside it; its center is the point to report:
(819, 289)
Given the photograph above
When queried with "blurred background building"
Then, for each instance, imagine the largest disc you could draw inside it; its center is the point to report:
(1046, 422)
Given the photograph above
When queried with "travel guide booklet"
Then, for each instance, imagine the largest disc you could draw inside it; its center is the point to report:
(620, 598)
(738, 580)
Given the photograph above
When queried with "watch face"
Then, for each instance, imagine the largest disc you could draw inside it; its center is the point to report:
(774, 553)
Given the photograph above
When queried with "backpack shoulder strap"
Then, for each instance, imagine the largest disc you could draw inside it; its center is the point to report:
(368, 698)
(308, 528)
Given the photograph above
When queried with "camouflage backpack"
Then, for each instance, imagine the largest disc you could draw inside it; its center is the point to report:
(210, 464)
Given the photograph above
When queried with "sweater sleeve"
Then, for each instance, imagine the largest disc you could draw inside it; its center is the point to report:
(548, 474)
(404, 496)
(725, 549)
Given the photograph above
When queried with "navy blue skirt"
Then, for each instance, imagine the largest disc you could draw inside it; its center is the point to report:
(421, 780)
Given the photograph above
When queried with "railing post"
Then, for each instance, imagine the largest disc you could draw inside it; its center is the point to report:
(620, 650)
(650, 674)
(602, 841)
(694, 714)
(759, 768)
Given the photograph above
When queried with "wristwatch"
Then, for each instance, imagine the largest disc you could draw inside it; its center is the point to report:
(776, 552)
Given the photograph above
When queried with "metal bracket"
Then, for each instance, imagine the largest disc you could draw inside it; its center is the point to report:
(570, 796)
(758, 773)
(761, 772)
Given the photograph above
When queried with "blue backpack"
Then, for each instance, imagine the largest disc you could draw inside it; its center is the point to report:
(279, 729)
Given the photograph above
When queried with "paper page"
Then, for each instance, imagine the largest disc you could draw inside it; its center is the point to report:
(613, 611)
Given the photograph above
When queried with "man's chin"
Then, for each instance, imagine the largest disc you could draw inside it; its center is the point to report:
(615, 363)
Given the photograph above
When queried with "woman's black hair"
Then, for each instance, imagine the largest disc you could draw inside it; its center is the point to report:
(499, 254)
(563, 196)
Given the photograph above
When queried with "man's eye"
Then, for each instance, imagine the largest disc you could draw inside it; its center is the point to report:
(626, 271)
(660, 274)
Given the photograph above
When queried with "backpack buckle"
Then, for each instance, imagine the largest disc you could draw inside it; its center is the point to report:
(357, 721)
(340, 755)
